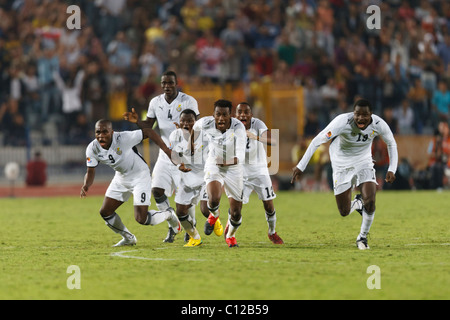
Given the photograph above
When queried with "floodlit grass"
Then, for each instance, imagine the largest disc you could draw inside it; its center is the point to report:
(410, 243)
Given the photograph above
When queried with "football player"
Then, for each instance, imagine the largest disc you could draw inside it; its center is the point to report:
(350, 136)
(132, 177)
(256, 172)
(224, 168)
(165, 109)
(189, 152)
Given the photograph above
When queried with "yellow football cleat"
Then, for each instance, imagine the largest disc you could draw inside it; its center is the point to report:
(218, 228)
(193, 242)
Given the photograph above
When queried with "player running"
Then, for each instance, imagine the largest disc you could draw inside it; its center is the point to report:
(256, 173)
(351, 135)
(132, 177)
(165, 109)
(224, 168)
(189, 152)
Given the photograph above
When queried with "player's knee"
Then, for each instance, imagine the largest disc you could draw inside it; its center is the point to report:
(214, 202)
(369, 206)
(158, 193)
(235, 214)
(344, 210)
(105, 213)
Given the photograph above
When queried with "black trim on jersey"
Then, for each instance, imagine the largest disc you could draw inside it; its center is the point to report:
(139, 155)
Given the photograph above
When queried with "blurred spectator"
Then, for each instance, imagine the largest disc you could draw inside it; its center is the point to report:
(439, 155)
(405, 118)
(70, 90)
(388, 116)
(210, 55)
(36, 171)
(119, 52)
(419, 98)
(440, 102)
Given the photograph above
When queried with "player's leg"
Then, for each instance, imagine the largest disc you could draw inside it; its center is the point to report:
(344, 202)
(214, 191)
(271, 218)
(234, 222)
(113, 221)
(368, 192)
(188, 224)
(162, 181)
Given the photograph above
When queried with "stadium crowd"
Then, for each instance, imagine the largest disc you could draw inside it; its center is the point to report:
(50, 74)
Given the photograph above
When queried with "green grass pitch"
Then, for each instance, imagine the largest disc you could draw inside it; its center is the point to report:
(410, 245)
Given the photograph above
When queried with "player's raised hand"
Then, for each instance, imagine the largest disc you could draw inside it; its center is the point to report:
(131, 116)
(296, 174)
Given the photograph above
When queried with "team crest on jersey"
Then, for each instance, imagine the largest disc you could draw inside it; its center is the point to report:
(118, 151)
(179, 108)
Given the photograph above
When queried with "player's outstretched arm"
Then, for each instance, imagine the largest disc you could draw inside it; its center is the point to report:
(88, 181)
(296, 174)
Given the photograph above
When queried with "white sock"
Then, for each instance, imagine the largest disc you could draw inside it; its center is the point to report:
(233, 226)
(115, 224)
(367, 220)
(156, 217)
(188, 225)
(191, 212)
(271, 221)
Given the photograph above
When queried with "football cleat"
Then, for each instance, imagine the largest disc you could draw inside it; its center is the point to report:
(126, 242)
(218, 228)
(170, 238)
(187, 237)
(362, 244)
(210, 224)
(193, 242)
(275, 238)
(358, 197)
(231, 242)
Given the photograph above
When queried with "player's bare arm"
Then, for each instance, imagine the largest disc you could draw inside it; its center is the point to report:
(88, 181)
(297, 174)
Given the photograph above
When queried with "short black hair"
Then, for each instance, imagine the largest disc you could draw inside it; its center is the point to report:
(106, 122)
(222, 103)
(246, 103)
(170, 73)
(363, 103)
(189, 111)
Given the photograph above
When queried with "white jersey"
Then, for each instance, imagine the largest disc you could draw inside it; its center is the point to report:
(122, 155)
(255, 154)
(193, 159)
(223, 147)
(350, 145)
(166, 114)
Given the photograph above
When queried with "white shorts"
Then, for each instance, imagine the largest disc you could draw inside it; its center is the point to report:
(165, 176)
(186, 195)
(140, 187)
(344, 179)
(230, 177)
(262, 185)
